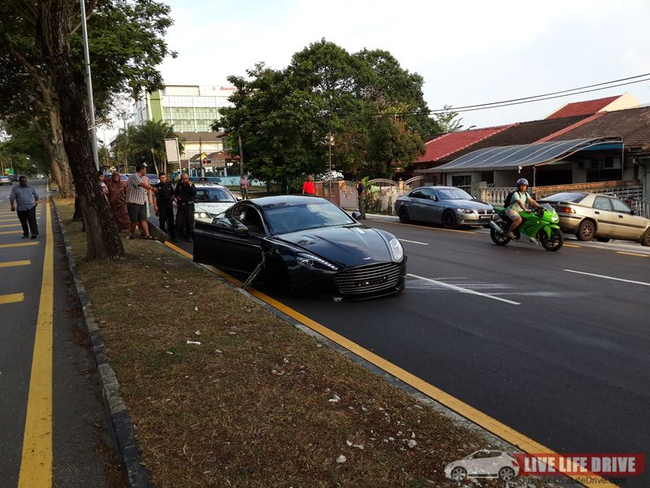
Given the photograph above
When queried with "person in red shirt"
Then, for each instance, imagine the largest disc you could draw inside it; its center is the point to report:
(308, 186)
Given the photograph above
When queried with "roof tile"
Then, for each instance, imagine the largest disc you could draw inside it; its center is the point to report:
(587, 107)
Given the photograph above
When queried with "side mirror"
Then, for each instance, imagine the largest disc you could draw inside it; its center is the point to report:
(241, 229)
(356, 215)
(634, 212)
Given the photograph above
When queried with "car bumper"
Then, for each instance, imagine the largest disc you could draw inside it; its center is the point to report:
(473, 219)
(358, 283)
(569, 223)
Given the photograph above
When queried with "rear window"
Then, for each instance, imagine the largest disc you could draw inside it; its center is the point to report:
(565, 197)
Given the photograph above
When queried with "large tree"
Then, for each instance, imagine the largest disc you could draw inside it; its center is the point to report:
(148, 142)
(364, 107)
(42, 39)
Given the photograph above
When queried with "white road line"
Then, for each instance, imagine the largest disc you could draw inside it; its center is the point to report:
(415, 242)
(608, 277)
(464, 290)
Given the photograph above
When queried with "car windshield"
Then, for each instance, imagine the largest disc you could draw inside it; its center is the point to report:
(565, 197)
(213, 195)
(284, 219)
(453, 194)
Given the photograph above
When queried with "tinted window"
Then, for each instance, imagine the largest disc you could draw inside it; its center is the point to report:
(453, 194)
(292, 218)
(602, 203)
(620, 206)
(213, 195)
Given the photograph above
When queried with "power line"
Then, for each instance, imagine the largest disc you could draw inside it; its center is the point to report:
(548, 96)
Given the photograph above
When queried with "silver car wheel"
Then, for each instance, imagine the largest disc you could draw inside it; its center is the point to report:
(506, 473)
(458, 473)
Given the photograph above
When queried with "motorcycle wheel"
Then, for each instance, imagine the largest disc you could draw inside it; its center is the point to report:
(500, 238)
(552, 243)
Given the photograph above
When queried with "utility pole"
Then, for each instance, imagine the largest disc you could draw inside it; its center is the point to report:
(89, 85)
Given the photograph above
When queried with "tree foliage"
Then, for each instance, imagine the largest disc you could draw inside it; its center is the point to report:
(43, 83)
(365, 105)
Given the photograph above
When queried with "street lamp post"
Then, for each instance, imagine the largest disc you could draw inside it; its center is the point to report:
(330, 143)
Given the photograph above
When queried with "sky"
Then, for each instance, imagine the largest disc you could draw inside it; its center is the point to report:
(467, 51)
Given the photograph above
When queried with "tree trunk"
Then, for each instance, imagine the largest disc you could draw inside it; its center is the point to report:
(61, 160)
(101, 230)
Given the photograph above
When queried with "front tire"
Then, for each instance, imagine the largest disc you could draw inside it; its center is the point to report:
(507, 473)
(552, 243)
(500, 238)
(448, 220)
(403, 214)
(586, 230)
(603, 239)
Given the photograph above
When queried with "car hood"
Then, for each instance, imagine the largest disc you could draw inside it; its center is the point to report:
(347, 246)
(212, 208)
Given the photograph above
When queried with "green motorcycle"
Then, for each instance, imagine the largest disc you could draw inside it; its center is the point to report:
(540, 225)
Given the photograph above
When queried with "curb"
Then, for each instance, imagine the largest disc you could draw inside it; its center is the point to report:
(120, 421)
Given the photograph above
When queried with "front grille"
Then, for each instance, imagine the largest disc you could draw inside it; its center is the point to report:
(368, 279)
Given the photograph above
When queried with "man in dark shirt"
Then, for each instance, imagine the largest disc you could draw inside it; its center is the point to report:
(163, 205)
(184, 196)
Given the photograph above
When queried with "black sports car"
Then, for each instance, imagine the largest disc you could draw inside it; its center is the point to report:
(305, 243)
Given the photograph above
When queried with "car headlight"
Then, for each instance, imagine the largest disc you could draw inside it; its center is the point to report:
(464, 210)
(396, 249)
(201, 215)
(312, 261)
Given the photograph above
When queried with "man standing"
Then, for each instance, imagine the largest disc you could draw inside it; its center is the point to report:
(184, 196)
(24, 199)
(117, 200)
(361, 193)
(243, 186)
(164, 205)
(136, 202)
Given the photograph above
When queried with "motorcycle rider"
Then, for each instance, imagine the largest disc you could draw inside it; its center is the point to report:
(521, 201)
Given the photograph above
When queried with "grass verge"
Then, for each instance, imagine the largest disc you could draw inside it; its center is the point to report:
(258, 403)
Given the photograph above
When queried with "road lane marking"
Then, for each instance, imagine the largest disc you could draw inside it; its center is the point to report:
(510, 435)
(19, 244)
(572, 245)
(7, 232)
(178, 250)
(633, 254)
(12, 298)
(11, 225)
(642, 283)
(463, 290)
(415, 242)
(36, 462)
(9, 264)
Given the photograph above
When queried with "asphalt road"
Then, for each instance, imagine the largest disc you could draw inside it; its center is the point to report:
(553, 345)
(71, 428)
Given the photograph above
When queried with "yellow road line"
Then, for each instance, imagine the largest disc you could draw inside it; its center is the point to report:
(19, 244)
(13, 298)
(572, 245)
(12, 225)
(7, 220)
(178, 249)
(490, 424)
(36, 463)
(9, 264)
(633, 254)
(7, 232)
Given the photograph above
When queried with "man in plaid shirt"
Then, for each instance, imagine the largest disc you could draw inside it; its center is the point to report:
(136, 201)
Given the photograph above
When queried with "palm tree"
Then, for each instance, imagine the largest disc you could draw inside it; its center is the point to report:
(149, 139)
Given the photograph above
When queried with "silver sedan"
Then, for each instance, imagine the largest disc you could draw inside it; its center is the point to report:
(446, 205)
(589, 215)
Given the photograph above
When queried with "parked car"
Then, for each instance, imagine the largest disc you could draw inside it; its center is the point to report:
(153, 178)
(594, 215)
(308, 244)
(446, 205)
(484, 464)
(5, 180)
(211, 200)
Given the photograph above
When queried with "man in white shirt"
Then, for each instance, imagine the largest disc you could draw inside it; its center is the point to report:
(24, 200)
(136, 201)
